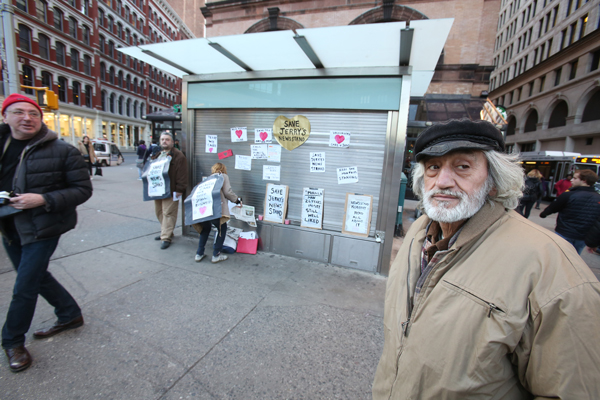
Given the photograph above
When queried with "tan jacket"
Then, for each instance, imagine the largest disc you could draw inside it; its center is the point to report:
(509, 312)
(83, 150)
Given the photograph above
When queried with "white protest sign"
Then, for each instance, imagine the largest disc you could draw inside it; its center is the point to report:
(274, 153)
(211, 143)
(275, 203)
(263, 135)
(202, 200)
(271, 172)
(156, 182)
(347, 175)
(258, 151)
(357, 214)
(339, 139)
(317, 162)
(312, 208)
(243, 162)
(239, 135)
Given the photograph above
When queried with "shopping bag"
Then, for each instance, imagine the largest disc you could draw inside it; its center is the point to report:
(247, 246)
(98, 171)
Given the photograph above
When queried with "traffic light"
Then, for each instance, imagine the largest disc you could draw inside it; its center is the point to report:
(51, 100)
(46, 98)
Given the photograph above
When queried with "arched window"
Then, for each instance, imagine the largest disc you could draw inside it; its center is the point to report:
(102, 41)
(85, 33)
(41, 10)
(73, 27)
(102, 72)
(101, 16)
(58, 19)
(119, 30)
(590, 112)
(111, 24)
(142, 88)
(24, 38)
(76, 92)
(135, 106)
(44, 46)
(88, 96)
(142, 110)
(28, 78)
(60, 53)
(111, 49)
(103, 100)
(62, 89)
(87, 65)
(128, 107)
(47, 79)
(74, 59)
(135, 85)
(111, 75)
(128, 82)
(120, 79)
(558, 117)
(512, 126)
(111, 103)
(22, 5)
(531, 122)
(121, 105)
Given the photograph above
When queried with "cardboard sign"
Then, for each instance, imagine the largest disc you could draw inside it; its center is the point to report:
(312, 208)
(339, 139)
(357, 214)
(239, 135)
(317, 162)
(204, 202)
(291, 133)
(347, 175)
(211, 143)
(271, 172)
(155, 179)
(225, 154)
(263, 135)
(276, 199)
(258, 151)
(243, 162)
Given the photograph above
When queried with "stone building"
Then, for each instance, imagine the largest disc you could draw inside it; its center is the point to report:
(547, 55)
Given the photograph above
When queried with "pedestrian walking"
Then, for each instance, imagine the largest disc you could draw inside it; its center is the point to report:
(141, 151)
(563, 185)
(544, 193)
(480, 302)
(86, 148)
(47, 179)
(220, 223)
(532, 192)
(577, 209)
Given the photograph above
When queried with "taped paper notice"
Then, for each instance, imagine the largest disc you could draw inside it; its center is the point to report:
(271, 172)
(317, 162)
(357, 214)
(258, 151)
(347, 175)
(274, 153)
(239, 135)
(211, 143)
(312, 208)
(339, 139)
(243, 162)
(263, 135)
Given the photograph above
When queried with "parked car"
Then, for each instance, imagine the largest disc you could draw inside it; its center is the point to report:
(107, 153)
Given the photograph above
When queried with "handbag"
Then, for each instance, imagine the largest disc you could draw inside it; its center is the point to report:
(247, 246)
(139, 163)
(98, 171)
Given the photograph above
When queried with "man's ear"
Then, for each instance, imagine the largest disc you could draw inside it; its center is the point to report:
(493, 192)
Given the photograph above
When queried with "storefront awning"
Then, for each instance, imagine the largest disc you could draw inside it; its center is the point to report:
(355, 46)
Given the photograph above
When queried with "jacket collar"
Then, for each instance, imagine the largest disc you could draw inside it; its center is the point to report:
(582, 188)
(44, 135)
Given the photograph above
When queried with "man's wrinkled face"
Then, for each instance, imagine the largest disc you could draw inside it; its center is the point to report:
(24, 119)
(166, 142)
(455, 186)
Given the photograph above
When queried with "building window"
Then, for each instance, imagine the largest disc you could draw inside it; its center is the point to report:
(24, 38)
(119, 30)
(563, 39)
(75, 59)
(557, 74)
(111, 23)
(103, 100)
(558, 117)
(120, 79)
(102, 72)
(41, 9)
(120, 104)
(62, 89)
(22, 5)
(85, 8)
(542, 83)
(128, 82)
(531, 122)
(111, 103)
(111, 75)
(47, 79)
(72, 3)
(87, 65)
(583, 25)
(76, 92)
(73, 27)
(569, 6)
(88, 96)
(573, 72)
(528, 147)
(111, 49)
(595, 60)
(85, 33)
(28, 78)
(135, 106)
(512, 125)
(590, 112)
(58, 19)
(101, 16)
(572, 33)
(60, 53)
(128, 108)
(102, 42)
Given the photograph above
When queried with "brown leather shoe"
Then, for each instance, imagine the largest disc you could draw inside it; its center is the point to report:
(19, 358)
(58, 328)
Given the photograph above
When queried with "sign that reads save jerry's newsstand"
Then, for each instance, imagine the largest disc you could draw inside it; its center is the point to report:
(291, 133)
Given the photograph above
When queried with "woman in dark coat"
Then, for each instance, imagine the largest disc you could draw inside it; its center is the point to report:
(533, 191)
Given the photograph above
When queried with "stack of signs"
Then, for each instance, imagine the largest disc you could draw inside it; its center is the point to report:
(155, 179)
(204, 203)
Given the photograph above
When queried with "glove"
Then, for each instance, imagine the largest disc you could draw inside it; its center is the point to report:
(239, 200)
(542, 215)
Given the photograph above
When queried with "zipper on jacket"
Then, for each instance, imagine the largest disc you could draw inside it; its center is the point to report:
(491, 306)
(408, 297)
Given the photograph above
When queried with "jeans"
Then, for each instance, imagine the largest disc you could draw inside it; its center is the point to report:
(31, 263)
(578, 244)
(218, 246)
(525, 208)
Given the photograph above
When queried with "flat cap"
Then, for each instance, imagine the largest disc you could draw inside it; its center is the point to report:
(463, 134)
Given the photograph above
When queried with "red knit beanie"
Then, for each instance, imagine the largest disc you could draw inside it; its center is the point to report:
(17, 98)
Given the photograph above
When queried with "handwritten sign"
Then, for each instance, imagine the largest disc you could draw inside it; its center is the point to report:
(271, 172)
(243, 162)
(276, 203)
(258, 151)
(202, 200)
(211, 143)
(274, 153)
(291, 133)
(347, 175)
(239, 135)
(156, 182)
(339, 139)
(317, 162)
(263, 135)
(312, 208)
(357, 214)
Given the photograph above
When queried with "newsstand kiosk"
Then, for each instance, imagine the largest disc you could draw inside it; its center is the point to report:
(311, 125)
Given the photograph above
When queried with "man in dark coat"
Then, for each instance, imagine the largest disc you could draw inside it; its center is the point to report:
(46, 178)
(577, 209)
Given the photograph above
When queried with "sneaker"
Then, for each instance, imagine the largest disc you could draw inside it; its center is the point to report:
(199, 257)
(219, 258)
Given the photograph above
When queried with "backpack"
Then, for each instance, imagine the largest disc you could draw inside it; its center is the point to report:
(531, 191)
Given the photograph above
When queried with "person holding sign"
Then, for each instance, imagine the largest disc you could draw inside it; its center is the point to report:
(220, 223)
(166, 209)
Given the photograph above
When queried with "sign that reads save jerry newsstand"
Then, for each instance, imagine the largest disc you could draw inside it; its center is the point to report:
(291, 133)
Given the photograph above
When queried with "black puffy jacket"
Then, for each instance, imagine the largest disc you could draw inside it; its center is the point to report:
(577, 210)
(57, 171)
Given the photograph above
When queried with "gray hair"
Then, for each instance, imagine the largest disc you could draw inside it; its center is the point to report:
(507, 176)
(166, 133)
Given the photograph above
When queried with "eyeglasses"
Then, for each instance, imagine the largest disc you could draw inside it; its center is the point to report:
(21, 114)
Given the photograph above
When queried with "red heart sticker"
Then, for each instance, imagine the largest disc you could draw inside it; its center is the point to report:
(263, 136)
(238, 133)
(202, 210)
(339, 138)
(211, 149)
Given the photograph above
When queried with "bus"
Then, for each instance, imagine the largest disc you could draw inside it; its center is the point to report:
(556, 165)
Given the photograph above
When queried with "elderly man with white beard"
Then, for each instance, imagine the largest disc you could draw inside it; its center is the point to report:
(482, 303)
